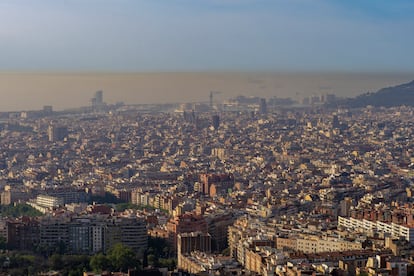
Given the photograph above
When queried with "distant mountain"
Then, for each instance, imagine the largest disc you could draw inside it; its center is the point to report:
(387, 97)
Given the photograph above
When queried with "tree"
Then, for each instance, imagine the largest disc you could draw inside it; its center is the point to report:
(122, 257)
(99, 262)
(19, 210)
(153, 260)
(3, 243)
(55, 262)
(170, 263)
(226, 251)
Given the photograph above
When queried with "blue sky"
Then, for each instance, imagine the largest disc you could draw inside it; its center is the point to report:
(207, 35)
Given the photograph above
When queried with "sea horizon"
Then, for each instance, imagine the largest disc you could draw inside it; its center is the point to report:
(31, 90)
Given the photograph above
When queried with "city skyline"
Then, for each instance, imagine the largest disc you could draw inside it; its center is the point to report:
(60, 52)
(31, 91)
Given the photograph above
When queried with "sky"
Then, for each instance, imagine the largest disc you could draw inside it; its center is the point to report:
(207, 35)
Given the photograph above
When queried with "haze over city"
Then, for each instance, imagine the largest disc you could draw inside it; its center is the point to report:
(123, 37)
(62, 91)
(206, 137)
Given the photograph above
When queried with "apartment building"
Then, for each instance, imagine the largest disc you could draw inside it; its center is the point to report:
(371, 227)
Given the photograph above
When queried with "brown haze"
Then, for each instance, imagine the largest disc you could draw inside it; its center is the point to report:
(30, 91)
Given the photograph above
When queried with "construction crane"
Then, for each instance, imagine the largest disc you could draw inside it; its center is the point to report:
(212, 93)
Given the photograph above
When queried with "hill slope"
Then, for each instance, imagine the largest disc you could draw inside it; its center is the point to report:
(402, 94)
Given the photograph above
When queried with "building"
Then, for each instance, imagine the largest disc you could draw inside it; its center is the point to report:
(11, 195)
(97, 100)
(186, 223)
(193, 241)
(22, 233)
(80, 236)
(97, 230)
(57, 133)
(262, 106)
(134, 234)
(216, 184)
(54, 232)
(47, 110)
(392, 229)
(215, 121)
(84, 234)
(218, 225)
(49, 201)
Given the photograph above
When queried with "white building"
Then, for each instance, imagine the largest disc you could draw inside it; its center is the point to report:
(392, 229)
(49, 201)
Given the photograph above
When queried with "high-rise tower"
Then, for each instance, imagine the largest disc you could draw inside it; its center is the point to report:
(263, 106)
(97, 100)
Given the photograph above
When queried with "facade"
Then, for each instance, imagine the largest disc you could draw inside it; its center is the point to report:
(97, 236)
(77, 235)
(215, 184)
(80, 236)
(391, 229)
(97, 100)
(134, 234)
(57, 133)
(215, 121)
(21, 234)
(189, 242)
(6, 198)
(318, 245)
(54, 232)
(218, 225)
(185, 223)
(49, 201)
(194, 241)
(262, 106)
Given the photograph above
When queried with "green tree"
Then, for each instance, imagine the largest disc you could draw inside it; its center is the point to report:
(19, 210)
(153, 260)
(170, 263)
(99, 262)
(122, 257)
(226, 251)
(80, 262)
(56, 262)
(3, 243)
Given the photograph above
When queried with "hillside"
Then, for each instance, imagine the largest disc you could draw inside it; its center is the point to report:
(402, 94)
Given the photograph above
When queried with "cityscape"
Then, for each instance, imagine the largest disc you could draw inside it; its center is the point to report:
(206, 138)
(250, 186)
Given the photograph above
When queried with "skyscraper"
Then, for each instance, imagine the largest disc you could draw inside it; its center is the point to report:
(57, 133)
(97, 100)
(215, 121)
(262, 106)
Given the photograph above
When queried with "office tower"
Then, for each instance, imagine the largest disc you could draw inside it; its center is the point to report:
(57, 133)
(47, 109)
(215, 121)
(335, 122)
(263, 106)
(99, 97)
(97, 100)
